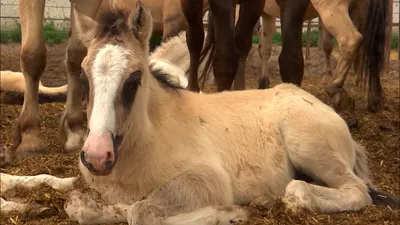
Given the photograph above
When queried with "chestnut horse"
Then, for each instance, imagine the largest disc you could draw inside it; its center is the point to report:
(335, 17)
(170, 156)
(169, 19)
(232, 43)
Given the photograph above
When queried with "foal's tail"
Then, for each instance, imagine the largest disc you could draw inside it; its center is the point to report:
(209, 216)
(362, 171)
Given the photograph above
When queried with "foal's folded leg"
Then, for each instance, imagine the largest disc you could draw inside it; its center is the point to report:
(84, 209)
(201, 196)
(9, 182)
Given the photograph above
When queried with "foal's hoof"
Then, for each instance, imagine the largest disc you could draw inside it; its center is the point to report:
(297, 198)
(31, 145)
(38, 211)
(232, 215)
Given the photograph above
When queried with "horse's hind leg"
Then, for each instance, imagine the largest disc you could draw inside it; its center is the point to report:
(194, 197)
(71, 128)
(337, 21)
(249, 14)
(33, 63)
(327, 46)
(265, 48)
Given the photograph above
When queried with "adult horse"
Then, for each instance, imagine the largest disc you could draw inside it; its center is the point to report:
(232, 43)
(170, 156)
(169, 19)
(335, 17)
(269, 15)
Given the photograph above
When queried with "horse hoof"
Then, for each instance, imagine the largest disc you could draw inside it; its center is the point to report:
(31, 145)
(73, 140)
(4, 156)
(325, 80)
(375, 103)
(342, 101)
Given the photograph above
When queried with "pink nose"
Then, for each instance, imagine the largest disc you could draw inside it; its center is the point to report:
(98, 152)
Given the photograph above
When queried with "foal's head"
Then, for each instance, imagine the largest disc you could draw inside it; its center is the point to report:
(117, 58)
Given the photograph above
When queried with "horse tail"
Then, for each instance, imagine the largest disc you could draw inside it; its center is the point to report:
(208, 50)
(361, 170)
(374, 42)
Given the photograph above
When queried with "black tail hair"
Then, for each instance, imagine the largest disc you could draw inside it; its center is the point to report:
(381, 198)
(374, 42)
(208, 48)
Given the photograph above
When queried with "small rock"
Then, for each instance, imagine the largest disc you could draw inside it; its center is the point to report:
(385, 127)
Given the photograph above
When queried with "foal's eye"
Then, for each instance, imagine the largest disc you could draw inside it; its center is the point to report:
(129, 89)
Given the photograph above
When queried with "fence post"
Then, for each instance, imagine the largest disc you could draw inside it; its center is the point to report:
(319, 33)
(308, 39)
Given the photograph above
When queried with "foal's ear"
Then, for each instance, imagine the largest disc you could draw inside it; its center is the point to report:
(86, 26)
(141, 22)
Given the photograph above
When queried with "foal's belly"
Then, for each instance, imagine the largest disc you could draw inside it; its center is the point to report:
(258, 162)
(267, 180)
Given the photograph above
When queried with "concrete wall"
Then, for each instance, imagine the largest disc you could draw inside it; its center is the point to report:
(57, 11)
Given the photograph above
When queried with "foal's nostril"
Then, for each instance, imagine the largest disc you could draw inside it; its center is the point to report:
(109, 165)
(83, 160)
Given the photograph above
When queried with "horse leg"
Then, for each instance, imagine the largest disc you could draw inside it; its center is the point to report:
(71, 130)
(327, 46)
(225, 60)
(205, 193)
(265, 48)
(291, 62)
(193, 11)
(337, 21)
(250, 13)
(33, 62)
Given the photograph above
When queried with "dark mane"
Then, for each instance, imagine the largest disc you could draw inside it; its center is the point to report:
(113, 22)
(164, 79)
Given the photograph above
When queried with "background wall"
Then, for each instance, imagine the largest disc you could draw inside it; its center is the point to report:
(58, 11)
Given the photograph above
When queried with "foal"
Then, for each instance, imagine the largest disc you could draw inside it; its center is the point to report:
(178, 157)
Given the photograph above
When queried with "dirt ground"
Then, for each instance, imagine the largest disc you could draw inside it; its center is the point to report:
(378, 132)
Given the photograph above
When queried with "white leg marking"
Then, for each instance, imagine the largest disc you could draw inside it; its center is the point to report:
(9, 182)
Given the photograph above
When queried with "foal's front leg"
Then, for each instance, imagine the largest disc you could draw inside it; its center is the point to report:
(201, 196)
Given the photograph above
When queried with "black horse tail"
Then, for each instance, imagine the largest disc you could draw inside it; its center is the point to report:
(208, 50)
(374, 43)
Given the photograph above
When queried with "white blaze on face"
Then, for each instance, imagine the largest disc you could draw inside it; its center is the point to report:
(108, 67)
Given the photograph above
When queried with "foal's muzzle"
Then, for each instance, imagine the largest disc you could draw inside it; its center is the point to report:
(100, 153)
